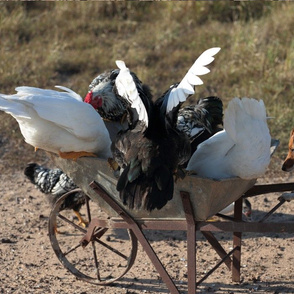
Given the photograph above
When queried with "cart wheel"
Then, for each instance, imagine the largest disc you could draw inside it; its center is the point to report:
(110, 255)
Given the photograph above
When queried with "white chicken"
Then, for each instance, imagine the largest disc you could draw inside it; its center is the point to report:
(242, 149)
(59, 122)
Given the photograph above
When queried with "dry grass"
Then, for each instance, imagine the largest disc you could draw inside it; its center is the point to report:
(68, 43)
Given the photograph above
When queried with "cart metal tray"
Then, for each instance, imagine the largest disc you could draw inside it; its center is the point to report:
(208, 196)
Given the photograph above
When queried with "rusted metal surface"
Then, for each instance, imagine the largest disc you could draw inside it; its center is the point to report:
(282, 201)
(191, 241)
(218, 264)
(236, 263)
(90, 236)
(269, 188)
(254, 227)
(207, 196)
(218, 248)
(190, 226)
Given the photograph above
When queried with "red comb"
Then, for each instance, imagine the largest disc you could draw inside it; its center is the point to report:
(88, 98)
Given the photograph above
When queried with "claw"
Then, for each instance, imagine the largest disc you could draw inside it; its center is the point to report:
(82, 222)
(113, 164)
(56, 230)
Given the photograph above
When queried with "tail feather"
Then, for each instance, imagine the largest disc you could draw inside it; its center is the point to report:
(242, 113)
(158, 198)
(44, 178)
(16, 107)
(254, 108)
(123, 179)
(55, 183)
(132, 195)
(49, 181)
(29, 171)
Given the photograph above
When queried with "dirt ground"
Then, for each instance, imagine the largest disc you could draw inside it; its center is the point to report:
(28, 263)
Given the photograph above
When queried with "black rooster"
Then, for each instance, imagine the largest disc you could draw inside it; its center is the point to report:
(55, 183)
(151, 148)
(135, 149)
(149, 154)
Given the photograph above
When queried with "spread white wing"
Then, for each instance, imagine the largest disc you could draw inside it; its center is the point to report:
(191, 79)
(65, 109)
(126, 88)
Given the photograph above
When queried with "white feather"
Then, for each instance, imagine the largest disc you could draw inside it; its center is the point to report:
(242, 149)
(57, 121)
(126, 88)
(49, 92)
(191, 79)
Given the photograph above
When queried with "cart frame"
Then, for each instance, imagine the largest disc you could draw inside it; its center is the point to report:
(188, 221)
(235, 225)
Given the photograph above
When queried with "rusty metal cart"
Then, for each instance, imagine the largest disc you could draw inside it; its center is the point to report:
(95, 255)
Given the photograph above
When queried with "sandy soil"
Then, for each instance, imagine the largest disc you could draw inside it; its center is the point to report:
(28, 263)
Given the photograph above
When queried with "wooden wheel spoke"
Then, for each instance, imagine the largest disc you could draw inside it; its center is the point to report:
(96, 261)
(72, 249)
(111, 248)
(72, 223)
(100, 232)
(88, 208)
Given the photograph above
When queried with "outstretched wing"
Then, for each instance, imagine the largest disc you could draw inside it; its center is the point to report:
(68, 93)
(64, 109)
(186, 87)
(127, 89)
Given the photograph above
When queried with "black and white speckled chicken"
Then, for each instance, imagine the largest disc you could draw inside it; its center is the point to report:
(55, 183)
(201, 120)
(104, 97)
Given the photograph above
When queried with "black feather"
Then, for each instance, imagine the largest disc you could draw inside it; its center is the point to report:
(150, 160)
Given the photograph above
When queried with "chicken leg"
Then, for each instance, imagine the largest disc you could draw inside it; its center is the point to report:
(82, 222)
